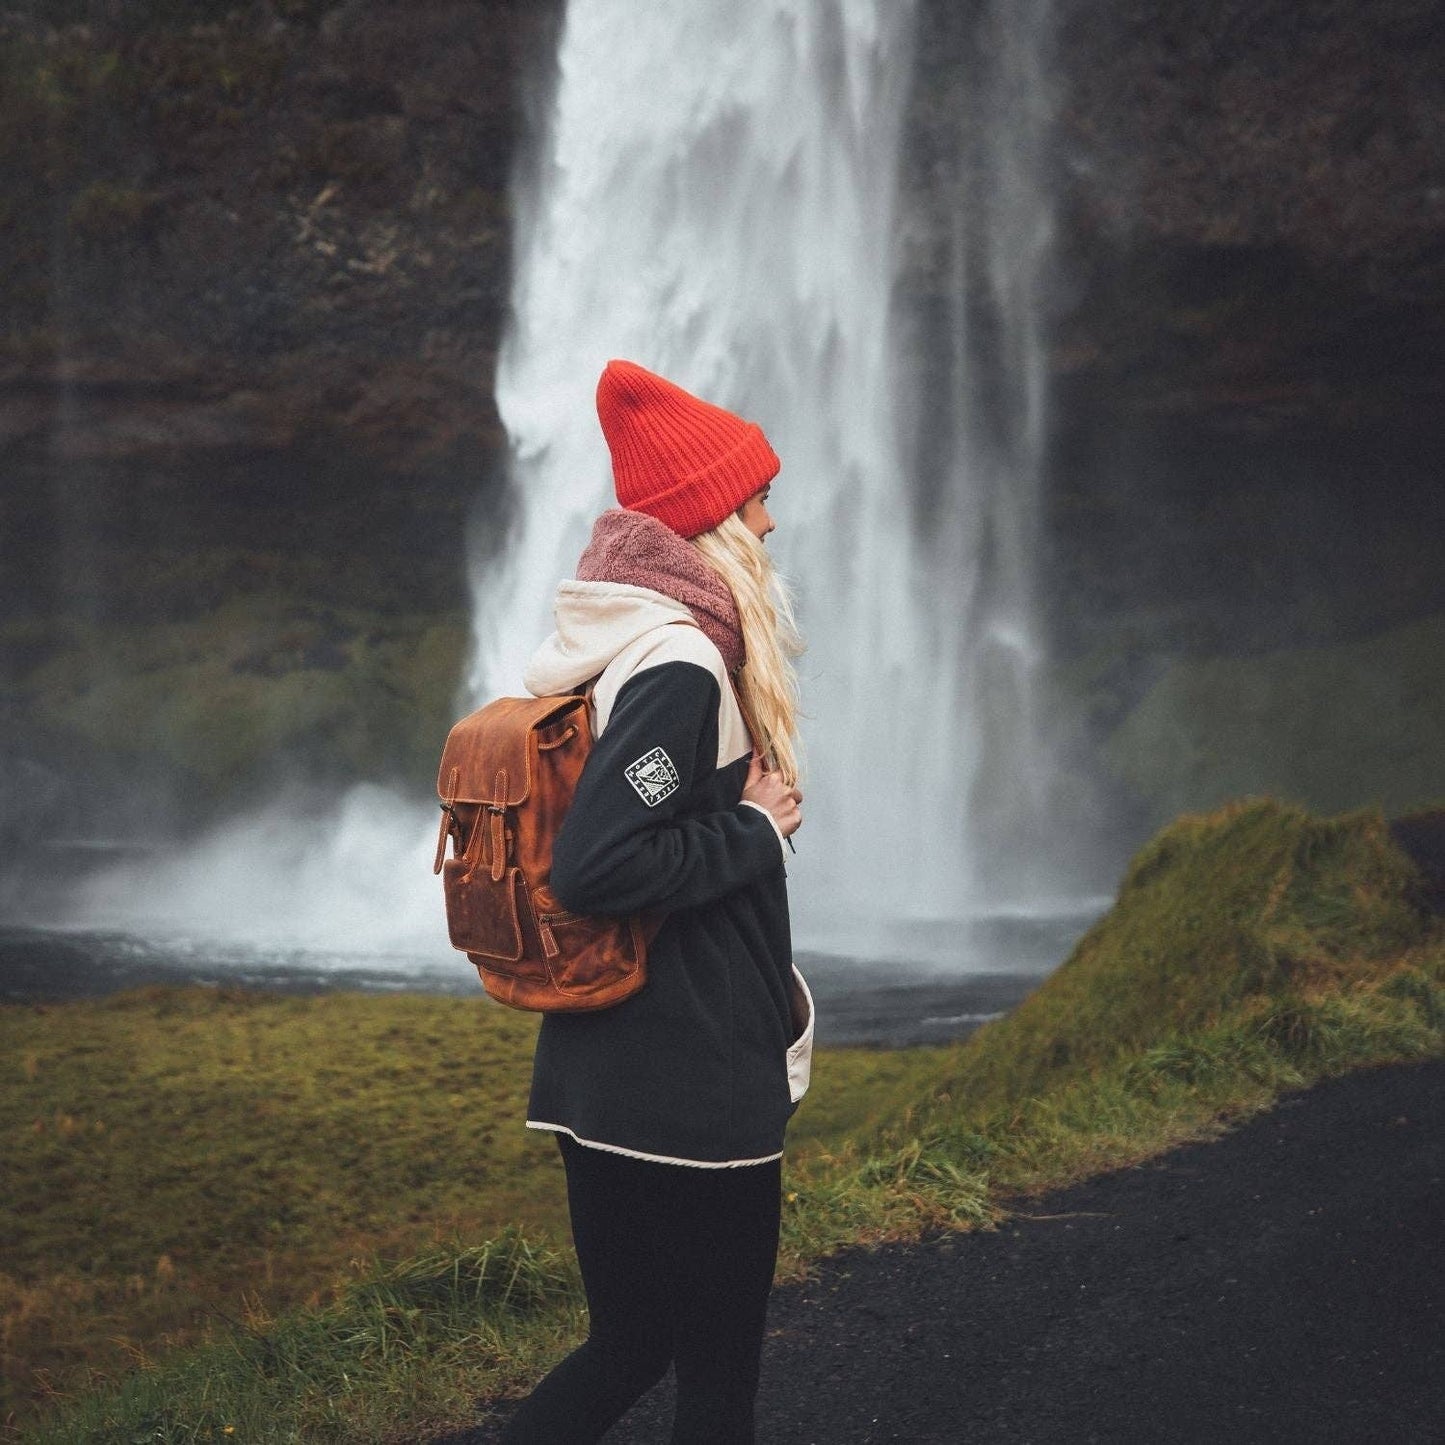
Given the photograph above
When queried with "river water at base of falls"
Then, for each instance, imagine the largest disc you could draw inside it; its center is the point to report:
(966, 973)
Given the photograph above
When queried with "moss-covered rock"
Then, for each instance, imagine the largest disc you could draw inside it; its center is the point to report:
(1330, 727)
(256, 693)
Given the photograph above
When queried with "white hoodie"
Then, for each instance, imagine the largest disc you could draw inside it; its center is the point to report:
(616, 630)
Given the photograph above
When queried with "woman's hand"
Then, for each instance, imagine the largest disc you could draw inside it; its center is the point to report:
(769, 791)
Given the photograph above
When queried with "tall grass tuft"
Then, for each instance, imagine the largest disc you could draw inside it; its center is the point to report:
(409, 1341)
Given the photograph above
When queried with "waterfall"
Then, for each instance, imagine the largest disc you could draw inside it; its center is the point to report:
(717, 199)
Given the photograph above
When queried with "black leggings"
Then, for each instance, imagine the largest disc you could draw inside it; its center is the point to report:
(677, 1263)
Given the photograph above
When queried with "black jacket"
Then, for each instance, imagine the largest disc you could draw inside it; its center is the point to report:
(704, 1065)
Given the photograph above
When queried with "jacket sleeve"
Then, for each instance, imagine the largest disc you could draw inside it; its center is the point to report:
(629, 841)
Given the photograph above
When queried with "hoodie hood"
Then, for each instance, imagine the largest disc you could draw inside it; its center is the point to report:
(595, 621)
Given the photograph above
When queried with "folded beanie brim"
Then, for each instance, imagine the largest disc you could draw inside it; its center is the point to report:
(697, 503)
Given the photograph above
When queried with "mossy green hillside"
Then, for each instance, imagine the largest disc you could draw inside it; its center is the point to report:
(1356, 724)
(1249, 951)
(255, 691)
(172, 1154)
(1252, 900)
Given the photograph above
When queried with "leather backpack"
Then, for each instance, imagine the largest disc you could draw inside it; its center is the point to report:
(507, 776)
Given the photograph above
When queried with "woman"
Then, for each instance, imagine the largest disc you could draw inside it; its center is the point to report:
(669, 1109)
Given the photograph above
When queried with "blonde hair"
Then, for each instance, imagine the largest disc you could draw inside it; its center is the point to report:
(767, 683)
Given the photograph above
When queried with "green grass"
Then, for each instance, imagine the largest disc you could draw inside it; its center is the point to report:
(275, 1153)
(177, 1160)
(177, 1156)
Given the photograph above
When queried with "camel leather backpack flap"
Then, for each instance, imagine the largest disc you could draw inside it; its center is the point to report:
(507, 776)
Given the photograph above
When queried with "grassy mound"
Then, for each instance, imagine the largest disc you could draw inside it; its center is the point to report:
(1254, 900)
(1250, 951)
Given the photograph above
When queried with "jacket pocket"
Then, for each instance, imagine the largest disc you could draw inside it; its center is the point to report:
(800, 1051)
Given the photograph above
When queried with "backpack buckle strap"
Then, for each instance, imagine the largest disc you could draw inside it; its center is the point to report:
(449, 821)
(446, 827)
(498, 812)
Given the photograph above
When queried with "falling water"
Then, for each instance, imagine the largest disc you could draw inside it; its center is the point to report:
(990, 427)
(718, 201)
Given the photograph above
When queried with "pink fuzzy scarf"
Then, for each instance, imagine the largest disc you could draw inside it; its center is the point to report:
(639, 551)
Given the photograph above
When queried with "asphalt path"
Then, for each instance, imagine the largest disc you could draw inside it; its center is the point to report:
(1284, 1283)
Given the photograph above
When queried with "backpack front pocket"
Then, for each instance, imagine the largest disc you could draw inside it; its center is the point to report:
(592, 960)
(484, 915)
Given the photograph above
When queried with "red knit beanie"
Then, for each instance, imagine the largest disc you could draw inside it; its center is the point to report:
(684, 461)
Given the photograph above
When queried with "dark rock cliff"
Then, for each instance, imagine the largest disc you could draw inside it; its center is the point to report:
(256, 275)
(257, 272)
(1245, 312)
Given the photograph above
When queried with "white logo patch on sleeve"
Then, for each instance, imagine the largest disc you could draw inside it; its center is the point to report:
(654, 777)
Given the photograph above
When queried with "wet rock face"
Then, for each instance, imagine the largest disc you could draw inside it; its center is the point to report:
(1244, 305)
(1253, 215)
(1243, 311)
(257, 266)
(1256, 222)
(253, 228)
(1316, 127)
